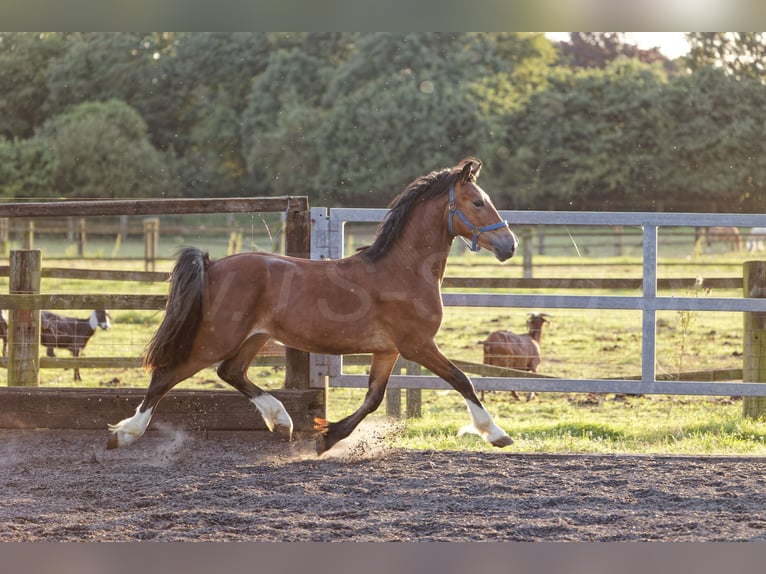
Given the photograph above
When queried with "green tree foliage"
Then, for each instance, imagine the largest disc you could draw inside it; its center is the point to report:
(357, 128)
(739, 54)
(99, 66)
(27, 169)
(712, 145)
(24, 61)
(587, 141)
(285, 106)
(103, 151)
(350, 118)
(206, 81)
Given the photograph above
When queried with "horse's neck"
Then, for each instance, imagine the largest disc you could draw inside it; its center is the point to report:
(424, 245)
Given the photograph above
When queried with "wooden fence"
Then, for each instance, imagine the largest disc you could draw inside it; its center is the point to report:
(31, 406)
(298, 243)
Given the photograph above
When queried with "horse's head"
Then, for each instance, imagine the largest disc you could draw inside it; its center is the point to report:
(473, 216)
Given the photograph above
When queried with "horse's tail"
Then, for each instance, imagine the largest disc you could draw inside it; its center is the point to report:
(172, 343)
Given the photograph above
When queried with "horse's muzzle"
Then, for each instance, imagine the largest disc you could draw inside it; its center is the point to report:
(505, 248)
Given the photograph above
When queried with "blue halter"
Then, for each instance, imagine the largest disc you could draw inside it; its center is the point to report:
(475, 231)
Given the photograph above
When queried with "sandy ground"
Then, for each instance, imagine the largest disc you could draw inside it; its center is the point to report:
(178, 486)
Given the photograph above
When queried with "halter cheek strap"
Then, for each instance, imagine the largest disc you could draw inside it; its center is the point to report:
(475, 231)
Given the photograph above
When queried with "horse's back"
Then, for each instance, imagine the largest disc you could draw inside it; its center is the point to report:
(317, 306)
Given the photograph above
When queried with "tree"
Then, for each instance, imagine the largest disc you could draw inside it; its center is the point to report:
(207, 82)
(598, 49)
(24, 61)
(103, 151)
(409, 102)
(712, 141)
(27, 169)
(127, 66)
(738, 54)
(286, 104)
(588, 141)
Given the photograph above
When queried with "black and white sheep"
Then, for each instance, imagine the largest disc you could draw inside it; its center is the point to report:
(513, 351)
(4, 331)
(59, 332)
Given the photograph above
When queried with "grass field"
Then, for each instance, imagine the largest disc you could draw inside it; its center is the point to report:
(577, 344)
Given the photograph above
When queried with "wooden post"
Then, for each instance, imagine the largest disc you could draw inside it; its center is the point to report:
(29, 236)
(618, 231)
(541, 240)
(297, 244)
(414, 396)
(754, 359)
(81, 238)
(24, 324)
(123, 228)
(151, 241)
(5, 244)
(394, 403)
(526, 247)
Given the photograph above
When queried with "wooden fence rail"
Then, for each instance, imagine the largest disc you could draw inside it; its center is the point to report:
(35, 403)
(448, 283)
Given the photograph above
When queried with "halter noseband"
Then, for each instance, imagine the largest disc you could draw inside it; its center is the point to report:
(475, 231)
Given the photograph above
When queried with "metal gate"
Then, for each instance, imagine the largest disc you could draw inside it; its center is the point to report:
(327, 241)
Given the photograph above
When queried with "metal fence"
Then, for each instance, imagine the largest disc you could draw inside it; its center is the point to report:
(328, 240)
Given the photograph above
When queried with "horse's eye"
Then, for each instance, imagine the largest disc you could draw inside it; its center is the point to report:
(478, 203)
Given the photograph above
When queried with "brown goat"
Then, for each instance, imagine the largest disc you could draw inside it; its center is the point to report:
(512, 351)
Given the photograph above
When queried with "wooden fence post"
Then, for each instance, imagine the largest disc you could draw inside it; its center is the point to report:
(526, 248)
(297, 244)
(618, 231)
(394, 403)
(29, 236)
(81, 238)
(24, 324)
(151, 242)
(754, 359)
(5, 244)
(414, 396)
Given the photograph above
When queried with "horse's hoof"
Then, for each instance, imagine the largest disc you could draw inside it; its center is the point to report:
(321, 445)
(502, 441)
(113, 442)
(286, 430)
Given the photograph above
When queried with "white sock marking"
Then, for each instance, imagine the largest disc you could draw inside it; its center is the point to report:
(132, 428)
(483, 424)
(273, 412)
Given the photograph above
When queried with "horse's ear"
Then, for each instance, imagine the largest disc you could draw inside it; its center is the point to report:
(476, 168)
(470, 171)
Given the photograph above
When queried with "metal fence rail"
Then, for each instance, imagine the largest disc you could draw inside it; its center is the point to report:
(328, 241)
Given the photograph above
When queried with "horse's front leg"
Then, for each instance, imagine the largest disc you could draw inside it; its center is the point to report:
(432, 359)
(380, 372)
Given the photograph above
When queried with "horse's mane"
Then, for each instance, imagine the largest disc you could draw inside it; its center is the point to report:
(422, 189)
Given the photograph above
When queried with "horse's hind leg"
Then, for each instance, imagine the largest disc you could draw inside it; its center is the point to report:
(432, 359)
(380, 372)
(234, 371)
(132, 428)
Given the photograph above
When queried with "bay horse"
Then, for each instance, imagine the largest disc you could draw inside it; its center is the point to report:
(728, 235)
(384, 300)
